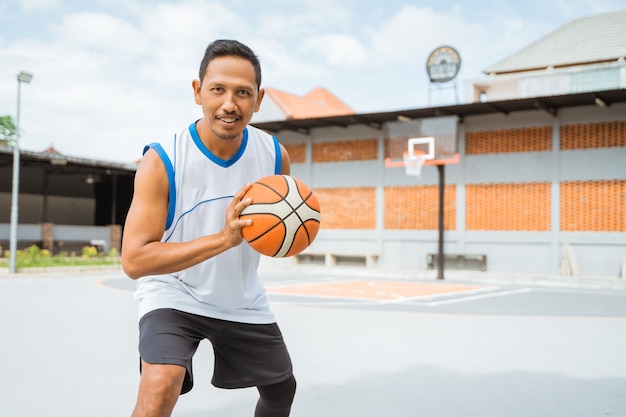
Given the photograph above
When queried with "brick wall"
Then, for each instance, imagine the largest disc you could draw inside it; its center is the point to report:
(584, 205)
(296, 151)
(395, 148)
(529, 139)
(508, 207)
(593, 206)
(511, 207)
(417, 207)
(347, 208)
(343, 151)
(593, 135)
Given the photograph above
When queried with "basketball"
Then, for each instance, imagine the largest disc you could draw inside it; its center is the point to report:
(285, 216)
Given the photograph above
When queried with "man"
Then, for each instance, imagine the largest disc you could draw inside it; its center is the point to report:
(182, 239)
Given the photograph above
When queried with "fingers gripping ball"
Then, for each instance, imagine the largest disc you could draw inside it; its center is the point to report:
(285, 216)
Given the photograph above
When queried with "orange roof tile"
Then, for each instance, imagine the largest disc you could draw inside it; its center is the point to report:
(317, 103)
(52, 150)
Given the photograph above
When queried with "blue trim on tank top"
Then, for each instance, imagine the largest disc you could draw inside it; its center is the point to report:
(192, 209)
(221, 162)
(170, 179)
(279, 156)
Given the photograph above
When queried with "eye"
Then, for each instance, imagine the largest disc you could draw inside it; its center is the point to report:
(244, 93)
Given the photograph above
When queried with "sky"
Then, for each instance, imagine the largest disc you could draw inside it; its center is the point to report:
(110, 76)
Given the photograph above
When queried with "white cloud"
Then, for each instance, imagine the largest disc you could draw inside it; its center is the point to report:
(412, 33)
(572, 9)
(100, 31)
(394, 74)
(285, 70)
(338, 50)
(189, 21)
(300, 19)
(37, 5)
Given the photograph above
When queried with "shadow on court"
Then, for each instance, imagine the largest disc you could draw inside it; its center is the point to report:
(430, 391)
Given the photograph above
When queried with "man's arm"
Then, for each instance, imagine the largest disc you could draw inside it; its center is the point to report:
(286, 162)
(143, 253)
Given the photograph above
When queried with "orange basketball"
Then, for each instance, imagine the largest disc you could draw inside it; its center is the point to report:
(285, 216)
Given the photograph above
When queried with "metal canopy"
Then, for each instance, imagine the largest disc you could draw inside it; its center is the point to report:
(53, 173)
(63, 162)
(550, 104)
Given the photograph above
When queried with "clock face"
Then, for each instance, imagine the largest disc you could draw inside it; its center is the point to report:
(443, 64)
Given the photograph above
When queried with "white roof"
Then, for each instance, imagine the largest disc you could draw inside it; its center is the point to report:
(589, 39)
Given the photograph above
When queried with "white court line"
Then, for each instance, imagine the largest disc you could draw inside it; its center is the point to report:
(436, 296)
(478, 297)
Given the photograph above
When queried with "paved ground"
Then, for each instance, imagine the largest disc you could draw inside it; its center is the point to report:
(365, 342)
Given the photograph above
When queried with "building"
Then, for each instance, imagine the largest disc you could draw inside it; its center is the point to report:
(65, 202)
(587, 54)
(540, 186)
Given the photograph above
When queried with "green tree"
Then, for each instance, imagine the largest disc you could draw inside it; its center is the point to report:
(8, 131)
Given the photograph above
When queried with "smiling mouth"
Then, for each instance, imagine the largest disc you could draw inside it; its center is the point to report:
(228, 119)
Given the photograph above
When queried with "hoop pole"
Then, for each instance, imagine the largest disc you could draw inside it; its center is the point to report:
(440, 260)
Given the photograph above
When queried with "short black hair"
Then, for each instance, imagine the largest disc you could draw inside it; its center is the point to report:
(229, 47)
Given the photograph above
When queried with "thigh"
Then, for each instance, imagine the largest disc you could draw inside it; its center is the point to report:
(168, 337)
(249, 355)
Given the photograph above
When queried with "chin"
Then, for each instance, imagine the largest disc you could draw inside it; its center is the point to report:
(229, 135)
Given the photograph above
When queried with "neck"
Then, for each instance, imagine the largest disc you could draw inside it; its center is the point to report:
(220, 146)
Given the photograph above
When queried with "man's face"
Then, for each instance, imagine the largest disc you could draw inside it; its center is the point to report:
(229, 96)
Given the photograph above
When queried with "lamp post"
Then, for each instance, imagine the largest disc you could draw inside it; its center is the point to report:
(22, 77)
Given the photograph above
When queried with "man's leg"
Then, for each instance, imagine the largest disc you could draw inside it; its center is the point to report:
(159, 390)
(275, 400)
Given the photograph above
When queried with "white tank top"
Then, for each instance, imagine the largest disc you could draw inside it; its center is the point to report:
(201, 186)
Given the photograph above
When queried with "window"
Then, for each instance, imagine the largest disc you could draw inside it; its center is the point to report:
(593, 80)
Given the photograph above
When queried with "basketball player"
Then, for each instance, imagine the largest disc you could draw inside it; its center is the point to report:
(183, 242)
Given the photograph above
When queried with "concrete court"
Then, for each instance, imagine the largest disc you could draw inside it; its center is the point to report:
(68, 348)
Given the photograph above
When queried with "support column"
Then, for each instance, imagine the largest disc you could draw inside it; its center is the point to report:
(47, 236)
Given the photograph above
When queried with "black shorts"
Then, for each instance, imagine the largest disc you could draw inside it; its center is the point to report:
(246, 355)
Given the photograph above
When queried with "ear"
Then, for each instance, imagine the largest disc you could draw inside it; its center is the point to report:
(197, 87)
(259, 99)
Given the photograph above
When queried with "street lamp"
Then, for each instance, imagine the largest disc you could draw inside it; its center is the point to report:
(22, 77)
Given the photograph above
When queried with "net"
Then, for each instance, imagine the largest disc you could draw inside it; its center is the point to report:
(413, 163)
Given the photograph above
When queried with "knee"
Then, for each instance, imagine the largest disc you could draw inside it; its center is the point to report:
(159, 389)
(280, 395)
(290, 388)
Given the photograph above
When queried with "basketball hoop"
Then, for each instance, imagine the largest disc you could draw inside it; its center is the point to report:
(421, 151)
(413, 163)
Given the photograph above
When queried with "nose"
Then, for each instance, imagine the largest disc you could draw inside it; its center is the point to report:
(229, 104)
